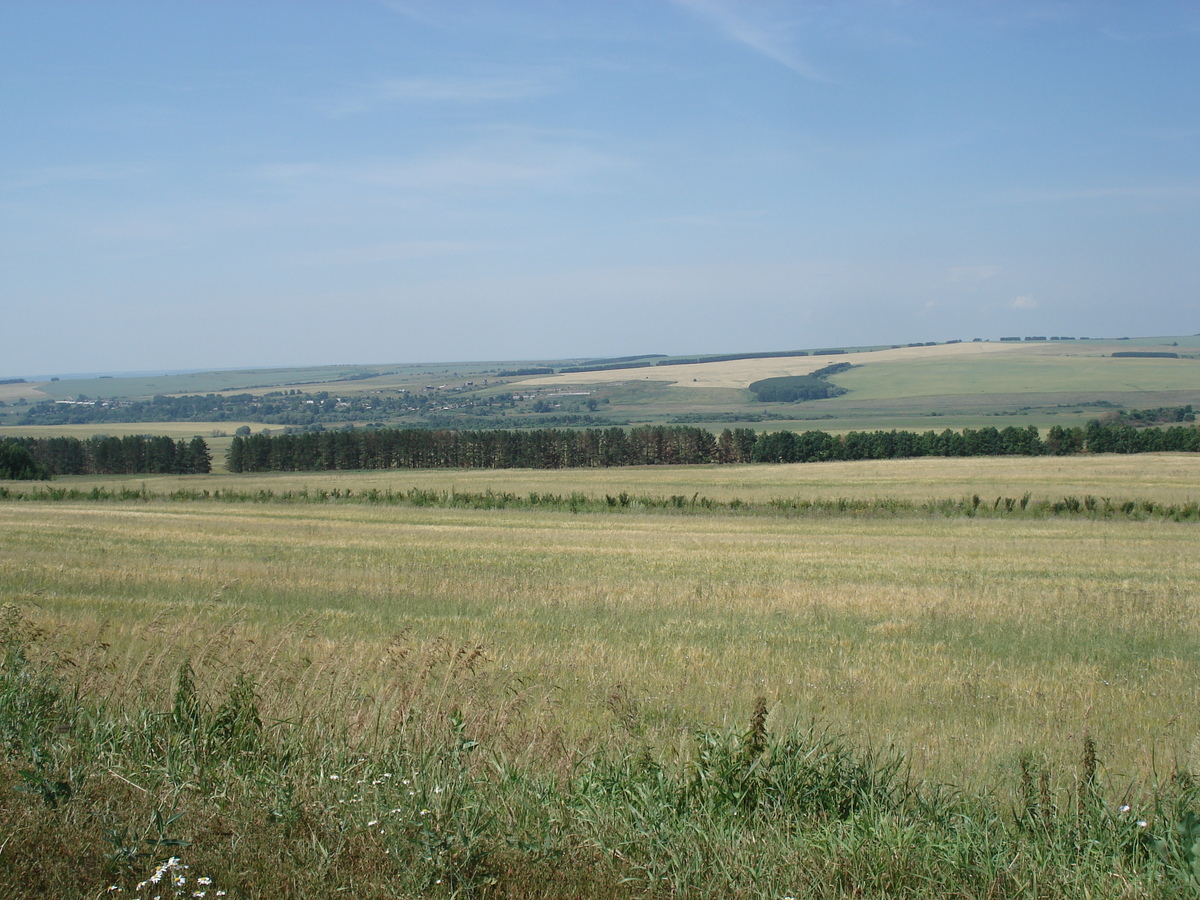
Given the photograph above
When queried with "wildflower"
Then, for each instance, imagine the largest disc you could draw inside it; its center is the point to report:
(437, 790)
(334, 777)
(180, 880)
(1124, 808)
(204, 880)
(424, 812)
(162, 870)
(1141, 823)
(372, 822)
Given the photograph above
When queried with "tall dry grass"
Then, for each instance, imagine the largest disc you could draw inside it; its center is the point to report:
(592, 704)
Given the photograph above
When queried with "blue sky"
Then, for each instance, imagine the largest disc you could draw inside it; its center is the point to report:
(210, 184)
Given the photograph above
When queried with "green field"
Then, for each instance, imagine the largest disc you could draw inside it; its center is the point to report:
(577, 657)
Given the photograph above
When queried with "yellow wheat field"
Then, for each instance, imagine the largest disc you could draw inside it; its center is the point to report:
(964, 641)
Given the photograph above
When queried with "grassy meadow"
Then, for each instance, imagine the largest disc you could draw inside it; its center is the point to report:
(633, 703)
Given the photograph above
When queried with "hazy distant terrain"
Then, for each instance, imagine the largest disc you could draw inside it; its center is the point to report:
(959, 384)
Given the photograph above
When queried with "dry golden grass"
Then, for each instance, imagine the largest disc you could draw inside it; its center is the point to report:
(741, 372)
(23, 390)
(1162, 477)
(964, 641)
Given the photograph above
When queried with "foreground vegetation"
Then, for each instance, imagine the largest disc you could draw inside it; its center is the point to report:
(318, 698)
(442, 787)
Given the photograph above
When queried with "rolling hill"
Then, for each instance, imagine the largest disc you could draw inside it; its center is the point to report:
(956, 384)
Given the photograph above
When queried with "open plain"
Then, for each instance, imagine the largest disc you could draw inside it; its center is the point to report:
(963, 641)
(784, 696)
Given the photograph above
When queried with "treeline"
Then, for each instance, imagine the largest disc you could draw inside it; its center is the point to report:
(133, 454)
(637, 362)
(546, 448)
(18, 464)
(673, 445)
(1096, 437)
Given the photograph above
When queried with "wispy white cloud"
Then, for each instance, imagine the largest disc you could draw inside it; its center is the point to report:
(770, 40)
(424, 14)
(1025, 302)
(437, 90)
(525, 164)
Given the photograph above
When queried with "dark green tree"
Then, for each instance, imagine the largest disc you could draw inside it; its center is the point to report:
(18, 464)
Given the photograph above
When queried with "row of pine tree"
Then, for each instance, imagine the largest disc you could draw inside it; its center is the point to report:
(413, 448)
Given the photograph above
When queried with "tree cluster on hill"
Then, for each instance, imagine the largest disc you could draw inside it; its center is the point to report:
(678, 445)
(133, 454)
(273, 408)
(795, 388)
(1163, 415)
(1145, 354)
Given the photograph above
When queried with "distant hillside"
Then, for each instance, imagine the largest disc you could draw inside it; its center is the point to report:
(1036, 380)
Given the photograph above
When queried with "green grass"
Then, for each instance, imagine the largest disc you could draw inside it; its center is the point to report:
(1032, 374)
(190, 783)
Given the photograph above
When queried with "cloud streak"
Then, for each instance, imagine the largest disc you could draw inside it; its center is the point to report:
(768, 41)
(545, 165)
(439, 90)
